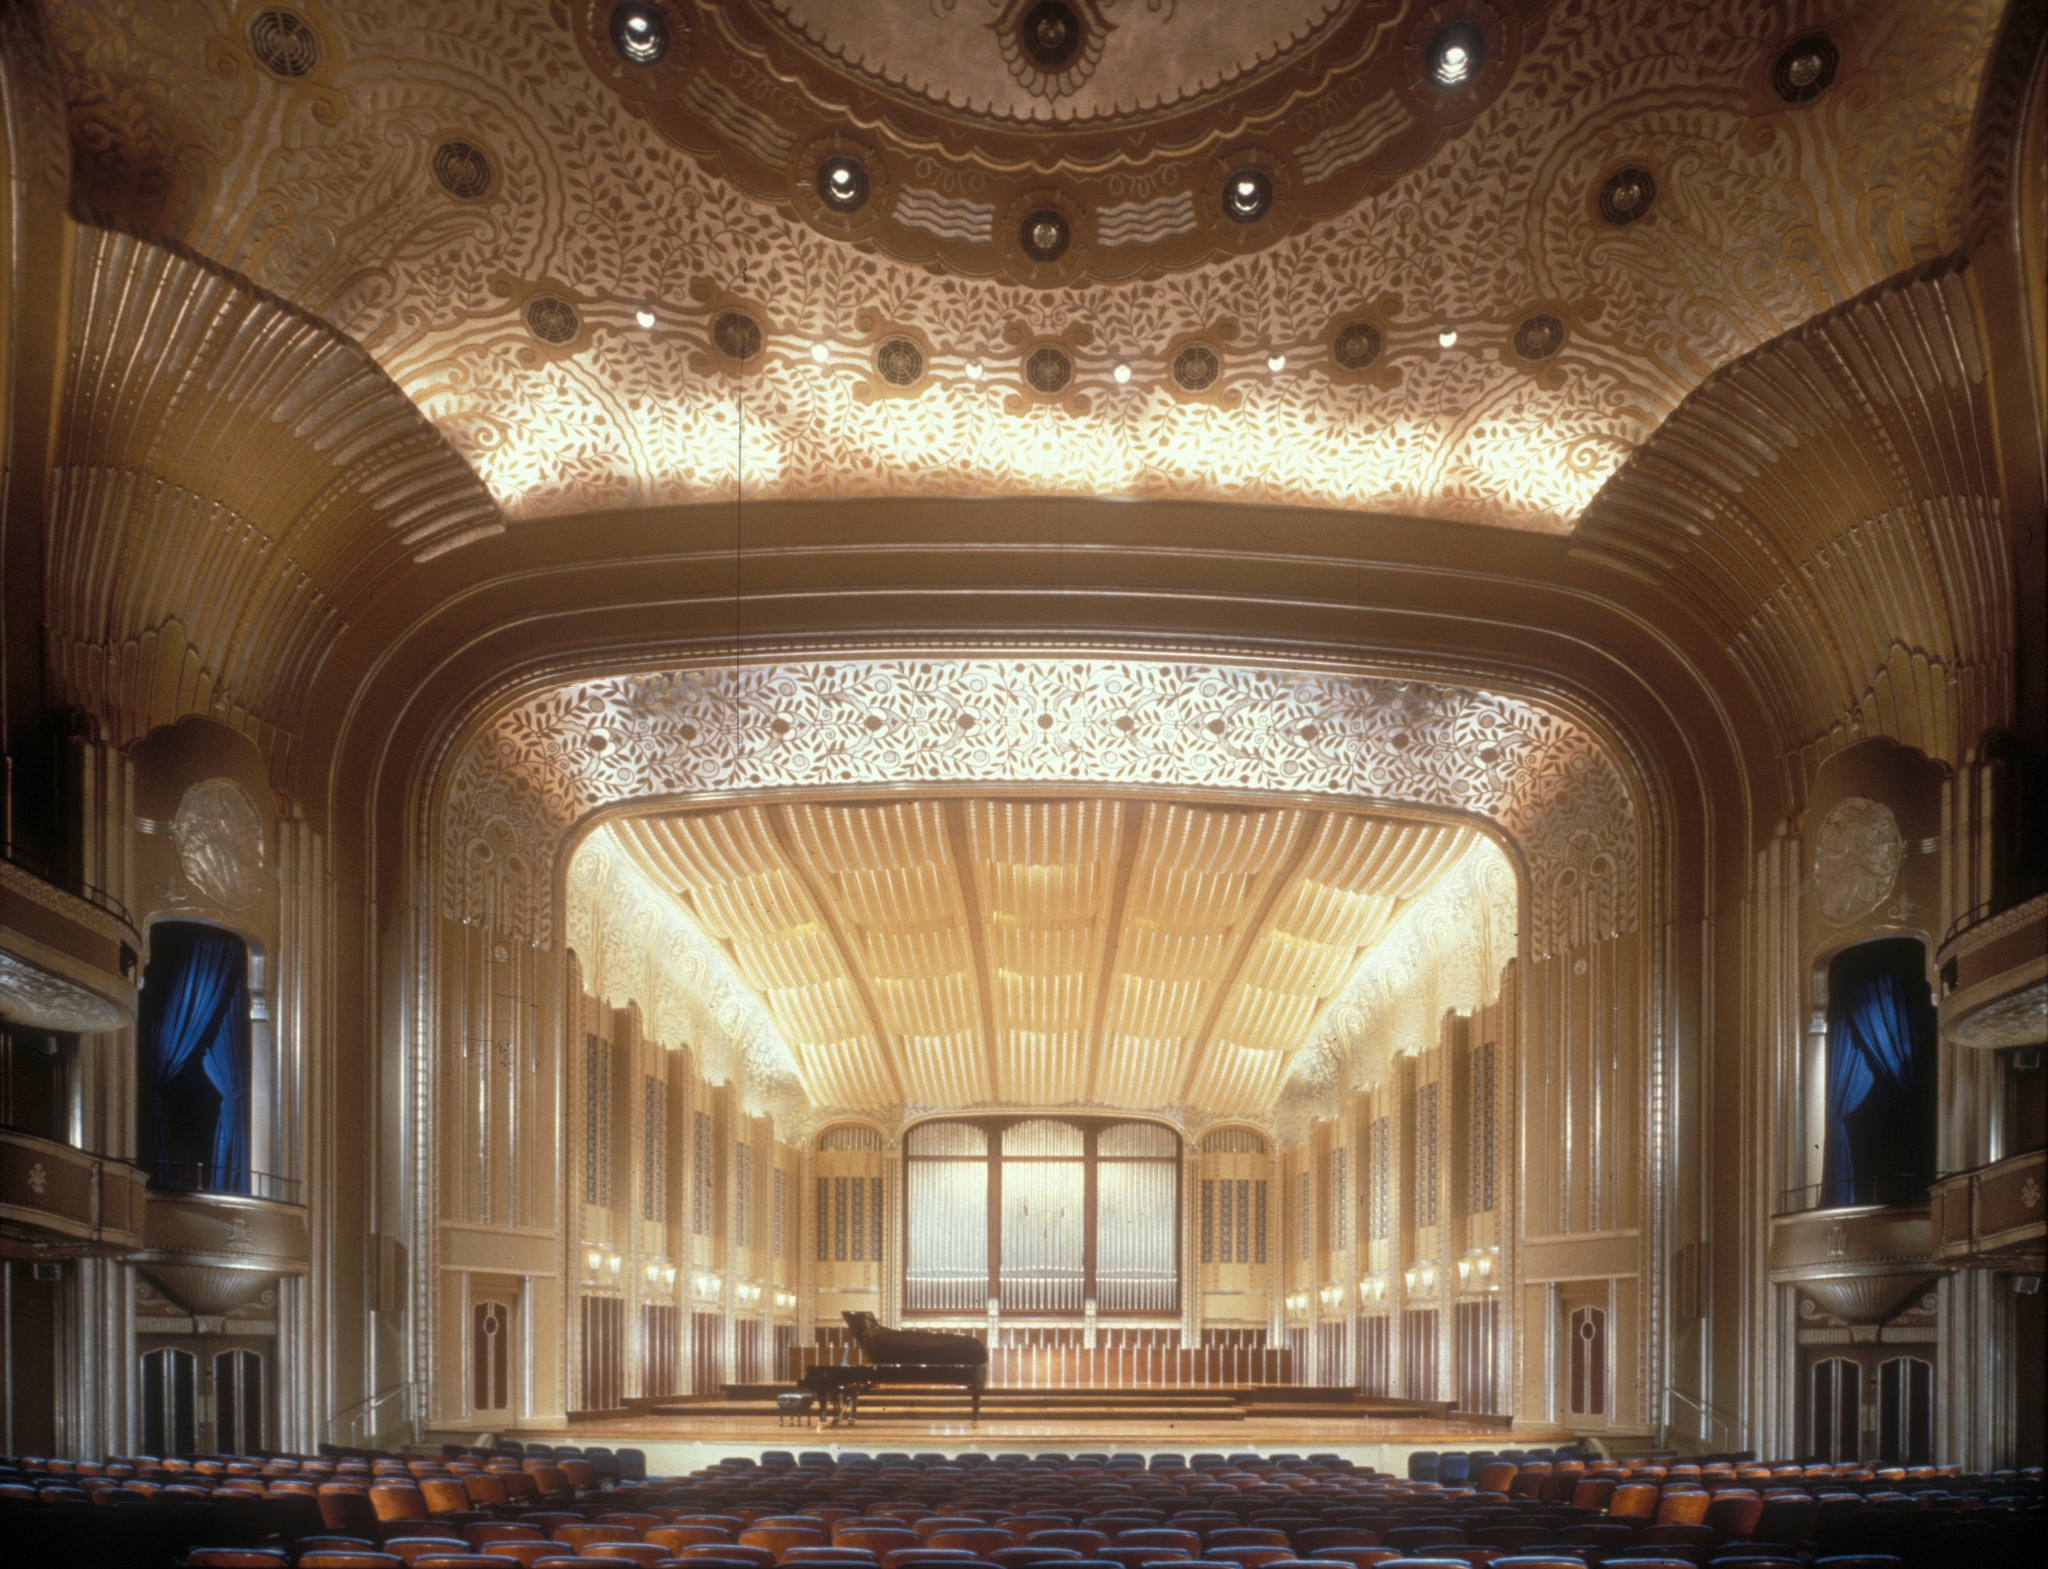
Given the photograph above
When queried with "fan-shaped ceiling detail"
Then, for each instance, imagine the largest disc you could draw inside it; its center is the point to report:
(963, 951)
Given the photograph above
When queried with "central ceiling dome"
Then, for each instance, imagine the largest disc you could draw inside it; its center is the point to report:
(1049, 141)
(1063, 61)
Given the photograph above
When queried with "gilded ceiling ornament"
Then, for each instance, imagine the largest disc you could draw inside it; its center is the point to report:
(643, 194)
(220, 843)
(1179, 126)
(1856, 859)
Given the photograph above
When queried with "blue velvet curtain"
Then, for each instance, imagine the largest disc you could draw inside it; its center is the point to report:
(1872, 1048)
(203, 1017)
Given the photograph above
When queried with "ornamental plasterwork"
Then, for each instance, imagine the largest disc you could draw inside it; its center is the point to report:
(636, 947)
(40, 999)
(322, 190)
(528, 778)
(1856, 859)
(2018, 1020)
(1447, 951)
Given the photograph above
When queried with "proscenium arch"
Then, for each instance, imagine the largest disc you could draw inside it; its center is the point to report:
(531, 777)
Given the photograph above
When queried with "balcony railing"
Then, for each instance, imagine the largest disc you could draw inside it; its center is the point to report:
(198, 1176)
(43, 870)
(1892, 1188)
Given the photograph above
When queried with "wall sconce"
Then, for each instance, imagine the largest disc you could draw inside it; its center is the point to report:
(653, 1273)
(668, 1276)
(1410, 1275)
(613, 1261)
(1373, 1288)
(1333, 1298)
(595, 1259)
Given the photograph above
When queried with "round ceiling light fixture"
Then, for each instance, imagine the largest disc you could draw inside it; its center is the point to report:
(1626, 195)
(1356, 345)
(842, 184)
(1805, 67)
(1044, 235)
(1455, 55)
(1247, 195)
(1050, 33)
(640, 33)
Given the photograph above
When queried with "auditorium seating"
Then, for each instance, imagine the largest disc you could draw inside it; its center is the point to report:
(1015, 1511)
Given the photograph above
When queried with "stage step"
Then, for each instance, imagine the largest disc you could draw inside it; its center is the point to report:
(1204, 1403)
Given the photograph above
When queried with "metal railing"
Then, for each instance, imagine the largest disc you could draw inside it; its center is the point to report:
(361, 1417)
(2027, 889)
(1904, 1187)
(199, 1176)
(1708, 1417)
(40, 867)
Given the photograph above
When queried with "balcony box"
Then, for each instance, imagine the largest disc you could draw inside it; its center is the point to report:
(66, 961)
(1995, 1217)
(214, 1252)
(60, 1202)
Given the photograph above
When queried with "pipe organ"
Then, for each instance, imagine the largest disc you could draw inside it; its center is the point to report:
(1042, 1217)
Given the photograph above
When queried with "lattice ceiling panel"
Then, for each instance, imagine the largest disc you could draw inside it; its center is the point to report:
(965, 952)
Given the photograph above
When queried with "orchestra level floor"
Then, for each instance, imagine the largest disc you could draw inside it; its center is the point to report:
(679, 1443)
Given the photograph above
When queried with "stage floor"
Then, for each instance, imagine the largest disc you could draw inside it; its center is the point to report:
(676, 1445)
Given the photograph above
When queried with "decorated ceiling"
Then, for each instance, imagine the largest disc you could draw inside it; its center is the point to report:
(971, 951)
(1450, 260)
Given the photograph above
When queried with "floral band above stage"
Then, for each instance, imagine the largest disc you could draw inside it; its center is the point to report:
(546, 765)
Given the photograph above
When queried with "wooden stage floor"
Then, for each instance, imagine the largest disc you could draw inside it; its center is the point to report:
(677, 1443)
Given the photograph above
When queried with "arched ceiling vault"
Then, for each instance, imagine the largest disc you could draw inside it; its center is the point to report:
(973, 950)
(480, 199)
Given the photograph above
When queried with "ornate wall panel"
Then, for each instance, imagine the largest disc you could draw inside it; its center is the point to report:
(233, 484)
(458, 190)
(534, 772)
(1830, 506)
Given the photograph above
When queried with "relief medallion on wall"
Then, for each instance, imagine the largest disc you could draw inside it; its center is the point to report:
(1856, 859)
(220, 843)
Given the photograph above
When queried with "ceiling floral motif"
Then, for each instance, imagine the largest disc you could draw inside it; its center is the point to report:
(459, 190)
(526, 779)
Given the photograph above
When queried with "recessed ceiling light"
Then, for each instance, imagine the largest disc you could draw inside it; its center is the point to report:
(1455, 54)
(1447, 339)
(1276, 362)
(821, 352)
(644, 316)
(1122, 374)
(974, 370)
(1247, 195)
(640, 33)
(842, 183)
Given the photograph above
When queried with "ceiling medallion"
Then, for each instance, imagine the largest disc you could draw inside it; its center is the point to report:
(463, 169)
(737, 336)
(552, 319)
(284, 43)
(1356, 345)
(1627, 195)
(1805, 68)
(1539, 336)
(1047, 370)
(899, 362)
(1196, 368)
(1181, 132)
(1044, 235)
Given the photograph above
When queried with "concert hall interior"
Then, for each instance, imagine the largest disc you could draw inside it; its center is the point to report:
(1109, 759)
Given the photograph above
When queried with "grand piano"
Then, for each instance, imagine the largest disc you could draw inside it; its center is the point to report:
(896, 1356)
